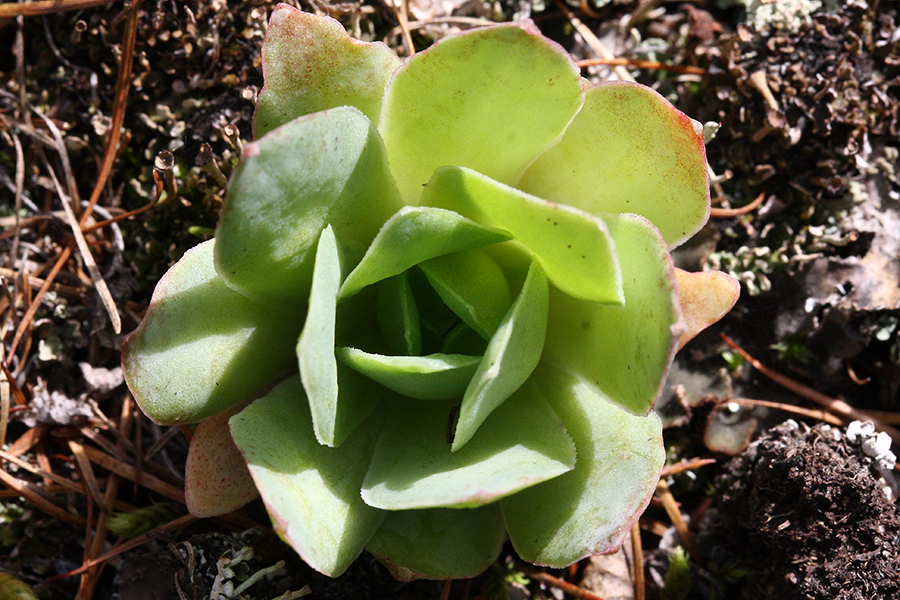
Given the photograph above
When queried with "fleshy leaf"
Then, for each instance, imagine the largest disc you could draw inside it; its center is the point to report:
(325, 168)
(457, 104)
(574, 247)
(520, 444)
(462, 339)
(398, 316)
(439, 543)
(311, 491)
(473, 285)
(216, 479)
(590, 509)
(705, 298)
(432, 377)
(628, 151)
(311, 64)
(511, 356)
(337, 396)
(623, 350)
(414, 235)
(201, 347)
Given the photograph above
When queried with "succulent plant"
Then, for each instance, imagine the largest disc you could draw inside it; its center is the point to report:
(439, 305)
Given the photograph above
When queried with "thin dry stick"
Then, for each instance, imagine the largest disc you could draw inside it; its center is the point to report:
(20, 189)
(568, 588)
(133, 543)
(893, 418)
(39, 502)
(637, 551)
(9, 10)
(85, 251)
(27, 440)
(654, 526)
(36, 283)
(725, 213)
(36, 302)
(832, 405)
(122, 86)
(593, 41)
(85, 577)
(87, 473)
(686, 465)
(91, 577)
(400, 13)
(671, 506)
(467, 21)
(4, 400)
(819, 415)
(128, 472)
(640, 64)
(50, 475)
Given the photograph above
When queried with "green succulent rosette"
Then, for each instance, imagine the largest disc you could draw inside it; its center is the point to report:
(439, 305)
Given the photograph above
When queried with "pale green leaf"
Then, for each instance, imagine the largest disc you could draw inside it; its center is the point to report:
(439, 543)
(311, 64)
(325, 168)
(432, 377)
(414, 235)
(473, 285)
(202, 347)
(315, 348)
(591, 509)
(628, 151)
(457, 104)
(520, 444)
(511, 356)
(398, 316)
(623, 350)
(338, 397)
(573, 247)
(311, 491)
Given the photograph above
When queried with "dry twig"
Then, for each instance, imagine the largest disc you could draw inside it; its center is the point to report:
(833, 405)
(568, 588)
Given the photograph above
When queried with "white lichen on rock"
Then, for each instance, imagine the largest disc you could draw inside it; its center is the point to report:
(783, 14)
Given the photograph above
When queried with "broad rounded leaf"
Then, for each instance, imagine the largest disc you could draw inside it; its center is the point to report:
(628, 151)
(325, 168)
(439, 543)
(432, 377)
(490, 99)
(311, 491)
(201, 347)
(592, 508)
(414, 235)
(216, 479)
(623, 350)
(520, 444)
(573, 247)
(297, 79)
(511, 356)
(705, 298)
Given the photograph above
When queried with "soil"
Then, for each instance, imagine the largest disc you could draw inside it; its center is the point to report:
(810, 123)
(803, 511)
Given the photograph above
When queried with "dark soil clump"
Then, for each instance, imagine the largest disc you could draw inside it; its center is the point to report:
(804, 511)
